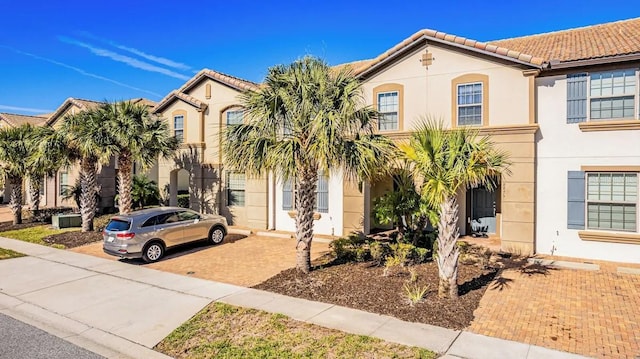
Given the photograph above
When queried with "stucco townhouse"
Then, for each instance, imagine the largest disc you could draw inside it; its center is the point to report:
(588, 145)
(564, 105)
(53, 191)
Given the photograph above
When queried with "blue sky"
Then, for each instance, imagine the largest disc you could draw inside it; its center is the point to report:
(113, 50)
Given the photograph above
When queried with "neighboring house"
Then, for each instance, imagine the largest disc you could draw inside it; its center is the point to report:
(15, 120)
(198, 114)
(52, 193)
(588, 147)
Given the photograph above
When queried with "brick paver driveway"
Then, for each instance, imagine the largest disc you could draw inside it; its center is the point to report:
(593, 313)
(238, 260)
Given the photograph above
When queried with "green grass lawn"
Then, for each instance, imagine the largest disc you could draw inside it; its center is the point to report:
(225, 331)
(8, 253)
(36, 234)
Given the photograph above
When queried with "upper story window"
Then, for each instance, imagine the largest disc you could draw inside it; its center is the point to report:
(470, 100)
(388, 100)
(178, 128)
(469, 104)
(611, 95)
(388, 106)
(234, 117)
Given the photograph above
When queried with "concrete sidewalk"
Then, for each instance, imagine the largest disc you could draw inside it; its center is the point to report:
(119, 310)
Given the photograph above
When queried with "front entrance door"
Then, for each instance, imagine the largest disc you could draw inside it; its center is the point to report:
(483, 211)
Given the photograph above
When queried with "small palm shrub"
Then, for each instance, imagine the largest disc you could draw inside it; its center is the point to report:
(414, 293)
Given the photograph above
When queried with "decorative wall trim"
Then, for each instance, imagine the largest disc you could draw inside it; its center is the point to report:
(527, 129)
(627, 238)
(609, 125)
(610, 168)
(316, 215)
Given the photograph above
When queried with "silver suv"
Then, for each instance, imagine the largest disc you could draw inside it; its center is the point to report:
(148, 233)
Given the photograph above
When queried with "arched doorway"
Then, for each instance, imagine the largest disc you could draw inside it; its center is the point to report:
(179, 188)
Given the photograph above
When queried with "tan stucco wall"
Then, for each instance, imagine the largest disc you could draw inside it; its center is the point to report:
(353, 208)
(428, 92)
(208, 169)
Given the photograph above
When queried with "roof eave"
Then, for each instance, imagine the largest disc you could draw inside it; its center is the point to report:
(592, 62)
(427, 39)
(174, 97)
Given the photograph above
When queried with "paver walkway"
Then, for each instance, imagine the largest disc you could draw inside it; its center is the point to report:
(240, 261)
(590, 312)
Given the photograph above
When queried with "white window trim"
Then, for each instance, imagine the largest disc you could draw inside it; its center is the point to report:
(229, 189)
(178, 129)
(397, 93)
(587, 201)
(294, 194)
(636, 97)
(468, 105)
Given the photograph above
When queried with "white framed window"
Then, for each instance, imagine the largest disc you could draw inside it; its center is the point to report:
(469, 104)
(178, 128)
(235, 189)
(612, 94)
(289, 193)
(63, 182)
(612, 201)
(601, 96)
(234, 117)
(388, 105)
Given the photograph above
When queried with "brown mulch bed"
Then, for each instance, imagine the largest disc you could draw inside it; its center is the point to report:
(9, 226)
(363, 286)
(74, 238)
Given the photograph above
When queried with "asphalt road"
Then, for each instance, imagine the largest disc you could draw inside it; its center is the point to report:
(22, 341)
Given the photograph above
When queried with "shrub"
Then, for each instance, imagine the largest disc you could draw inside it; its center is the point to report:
(350, 248)
(378, 251)
(183, 200)
(415, 294)
(100, 222)
(44, 215)
(362, 254)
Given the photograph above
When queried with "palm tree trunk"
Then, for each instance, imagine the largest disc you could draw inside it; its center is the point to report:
(125, 182)
(88, 197)
(15, 202)
(305, 202)
(448, 251)
(35, 186)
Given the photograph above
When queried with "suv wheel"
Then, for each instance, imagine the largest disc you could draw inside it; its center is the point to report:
(153, 252)
(216, 235)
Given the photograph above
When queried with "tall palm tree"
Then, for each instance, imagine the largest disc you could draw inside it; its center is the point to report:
(39, 166)
(14, 149)
(450, 161)
(137, 137)
(82, 138)
(306, 119)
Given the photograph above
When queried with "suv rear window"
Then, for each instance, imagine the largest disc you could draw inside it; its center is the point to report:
(117, 225)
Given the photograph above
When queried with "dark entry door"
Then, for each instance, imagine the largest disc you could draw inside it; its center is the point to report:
(483, 210)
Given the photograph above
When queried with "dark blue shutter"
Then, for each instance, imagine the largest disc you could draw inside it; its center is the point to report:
(575, 200)
(576, 98)
(287, 195)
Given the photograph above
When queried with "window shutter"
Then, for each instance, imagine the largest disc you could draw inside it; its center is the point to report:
(287, 195)
(575, 200)
(576, 98)
(322, 194)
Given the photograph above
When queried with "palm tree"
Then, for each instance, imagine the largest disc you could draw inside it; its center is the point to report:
(449, 161)
(14, 149)
(39, 166)
(82, 138)
(144, 192)
(306, 119)
(136, 137)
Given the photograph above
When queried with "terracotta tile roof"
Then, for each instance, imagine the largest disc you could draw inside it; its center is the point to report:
(141, 100)
(177, 95)
(82, 104)
(361, 67)
(590, 42)
(231, 81)
(19, 120)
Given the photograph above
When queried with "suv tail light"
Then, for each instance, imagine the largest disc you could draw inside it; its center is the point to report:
(128, 235)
